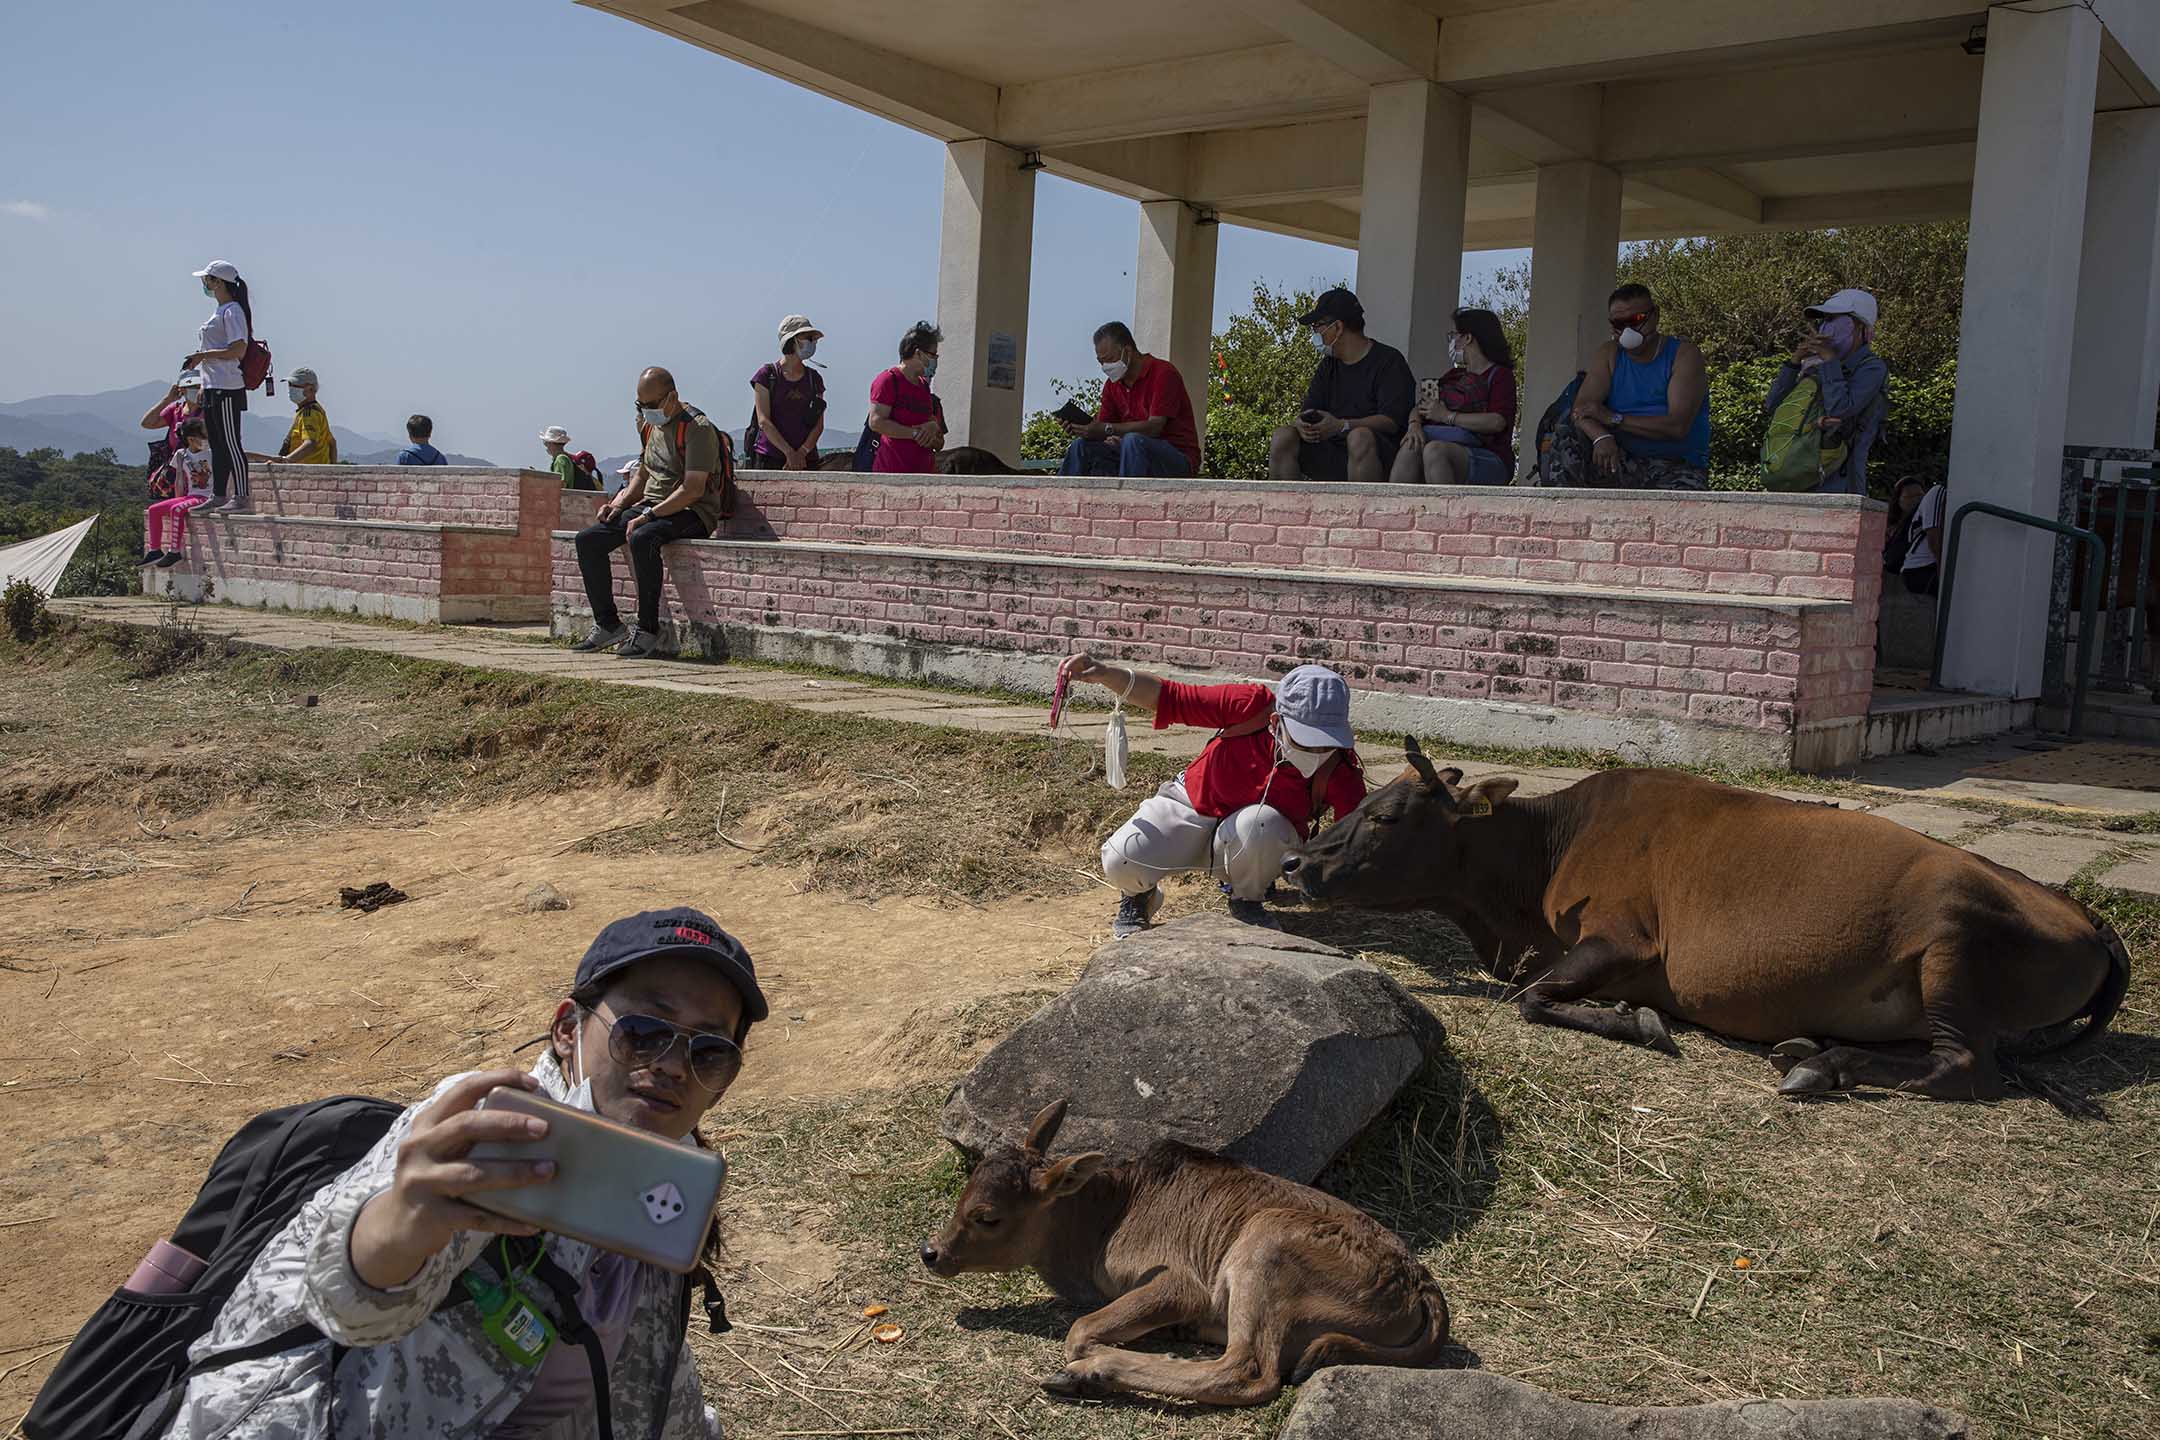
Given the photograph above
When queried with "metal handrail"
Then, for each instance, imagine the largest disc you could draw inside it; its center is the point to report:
(2088, 613)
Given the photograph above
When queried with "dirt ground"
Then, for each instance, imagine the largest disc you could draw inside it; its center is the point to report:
(155, 1009)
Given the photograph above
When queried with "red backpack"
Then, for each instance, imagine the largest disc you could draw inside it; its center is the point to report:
(255, 364)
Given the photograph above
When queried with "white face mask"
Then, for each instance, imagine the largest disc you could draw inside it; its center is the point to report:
(652, 415)
(1115, 370)
(1319, 341)
(1307, 762)
(580, 1097)
(1454, 350)
(804, 349)
(1631, 339)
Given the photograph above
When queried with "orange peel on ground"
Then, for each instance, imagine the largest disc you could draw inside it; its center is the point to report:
(871, 1312)
(1741, 1262)
(887, 1334)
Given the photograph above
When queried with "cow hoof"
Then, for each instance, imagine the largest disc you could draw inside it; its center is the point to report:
(1809, 1077)
(1788, 1053)
(1651, 1026)
(1067, 1385)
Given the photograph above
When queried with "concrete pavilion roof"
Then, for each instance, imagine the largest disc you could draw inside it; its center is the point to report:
(1719, 114)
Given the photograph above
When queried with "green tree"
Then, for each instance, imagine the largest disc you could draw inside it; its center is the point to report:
(43, 491)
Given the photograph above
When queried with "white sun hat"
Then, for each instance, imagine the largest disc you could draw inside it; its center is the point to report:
(554, 435)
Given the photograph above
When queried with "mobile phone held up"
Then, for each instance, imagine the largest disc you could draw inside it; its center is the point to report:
(615, 1186)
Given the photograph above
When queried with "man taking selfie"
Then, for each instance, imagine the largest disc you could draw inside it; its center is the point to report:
(383, 1259)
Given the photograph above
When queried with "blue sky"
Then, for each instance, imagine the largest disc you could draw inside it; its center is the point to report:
(494, 211)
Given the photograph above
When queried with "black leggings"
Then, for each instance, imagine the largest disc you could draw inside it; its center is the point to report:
(221, 410)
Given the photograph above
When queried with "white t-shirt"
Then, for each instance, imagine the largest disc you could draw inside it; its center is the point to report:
(193, 467)
(1928, 517)
(219, 331)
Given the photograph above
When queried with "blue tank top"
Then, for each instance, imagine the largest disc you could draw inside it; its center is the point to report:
(1639, 387)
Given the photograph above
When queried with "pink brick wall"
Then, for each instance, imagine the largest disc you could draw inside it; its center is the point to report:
(374, 561)
(1761, 545)
(1723, 664)
(415, 493)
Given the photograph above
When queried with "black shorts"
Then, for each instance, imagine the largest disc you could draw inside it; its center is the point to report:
(1329, 459)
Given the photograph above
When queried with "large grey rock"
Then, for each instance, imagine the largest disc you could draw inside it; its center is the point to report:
(1361, 1402)
(1251, 1043)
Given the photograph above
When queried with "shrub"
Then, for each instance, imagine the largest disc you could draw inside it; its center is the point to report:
(24, 605)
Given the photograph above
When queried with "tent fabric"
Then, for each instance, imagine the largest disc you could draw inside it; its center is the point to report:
(44, 560)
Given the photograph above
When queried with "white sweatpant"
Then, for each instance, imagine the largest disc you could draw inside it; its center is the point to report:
(1166, 835)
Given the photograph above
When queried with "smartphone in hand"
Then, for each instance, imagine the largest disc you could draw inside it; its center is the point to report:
(615, 1186)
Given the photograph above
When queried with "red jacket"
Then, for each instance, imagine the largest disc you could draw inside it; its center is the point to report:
(1235, 771)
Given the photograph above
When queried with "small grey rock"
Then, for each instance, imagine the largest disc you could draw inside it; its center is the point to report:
(1251, 1043)
(544, 896)
(1357, 1402)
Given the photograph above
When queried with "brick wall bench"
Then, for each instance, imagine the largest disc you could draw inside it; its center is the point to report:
(425, 543)
(1666, 627)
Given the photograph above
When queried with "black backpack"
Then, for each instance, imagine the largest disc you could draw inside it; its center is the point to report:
(128, 1369)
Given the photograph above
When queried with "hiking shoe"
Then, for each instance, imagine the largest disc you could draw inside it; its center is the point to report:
(637, 645)
(1252, 912)
(168, 560)
(603, 637)
(1136, 912)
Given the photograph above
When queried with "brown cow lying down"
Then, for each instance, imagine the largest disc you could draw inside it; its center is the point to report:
(1866, 953)
(1285, 1278)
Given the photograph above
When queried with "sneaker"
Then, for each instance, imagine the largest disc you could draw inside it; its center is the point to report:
(1252, 912)
(168, 560)
(151, 557)
(637, 645)
(1136, 912)
(222, 507)
(603, 637)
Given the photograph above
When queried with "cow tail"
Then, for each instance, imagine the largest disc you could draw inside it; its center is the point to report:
(2099, 1013)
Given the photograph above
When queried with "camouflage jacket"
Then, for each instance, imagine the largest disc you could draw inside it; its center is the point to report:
(409, 1370)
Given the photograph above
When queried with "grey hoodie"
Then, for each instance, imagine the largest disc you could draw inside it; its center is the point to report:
(409, 1371)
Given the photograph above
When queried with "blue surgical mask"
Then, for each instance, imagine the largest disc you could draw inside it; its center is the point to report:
(929, 368)
(804, 349)
(652, 415)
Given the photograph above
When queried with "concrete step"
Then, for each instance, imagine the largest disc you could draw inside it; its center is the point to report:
(1899, 721)
(2109, 716)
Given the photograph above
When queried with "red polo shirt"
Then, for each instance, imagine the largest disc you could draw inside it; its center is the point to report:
(1240, 770)
(1157, 390)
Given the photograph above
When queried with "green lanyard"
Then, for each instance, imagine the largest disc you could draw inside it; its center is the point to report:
(518, 1327)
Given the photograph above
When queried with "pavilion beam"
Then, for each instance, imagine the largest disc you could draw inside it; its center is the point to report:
(1725, 201)
(1305, 219)
(910, 92)
(1598, 40)
(1378, 41)
(1267, 84)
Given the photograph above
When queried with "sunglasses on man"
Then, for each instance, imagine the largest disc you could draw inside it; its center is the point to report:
(1631, 322)
(643, 1041)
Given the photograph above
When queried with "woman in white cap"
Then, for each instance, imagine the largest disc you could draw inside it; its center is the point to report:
(1280, 759)
(219, 344)
(790, 400)
(1852, 378)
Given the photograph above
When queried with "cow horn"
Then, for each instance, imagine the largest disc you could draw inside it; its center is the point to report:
(1044, 1128)
(1418, 762)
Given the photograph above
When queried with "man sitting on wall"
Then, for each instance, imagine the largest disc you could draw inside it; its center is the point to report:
(1144, 425)
(1642, 415)
(1279, 760)
(1356, 406)
(685, 462)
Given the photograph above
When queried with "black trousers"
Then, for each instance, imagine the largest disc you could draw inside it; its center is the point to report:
(596, 542)
(221, 410)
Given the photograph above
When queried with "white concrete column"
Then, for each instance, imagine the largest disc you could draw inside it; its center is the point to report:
(985, 249)
(1410, 235)
(2115, 361)
(1574, 248)
(2014, 336)
(1174, 294)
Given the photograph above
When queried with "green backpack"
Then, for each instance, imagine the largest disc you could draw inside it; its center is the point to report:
(1793, 454)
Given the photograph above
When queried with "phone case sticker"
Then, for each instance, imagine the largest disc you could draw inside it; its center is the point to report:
(663, 1203)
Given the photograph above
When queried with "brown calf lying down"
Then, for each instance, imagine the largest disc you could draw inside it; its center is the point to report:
(1285, 1278)
(1866, 953)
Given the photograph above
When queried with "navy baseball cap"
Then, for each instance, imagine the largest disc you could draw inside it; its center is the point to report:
(689, 933)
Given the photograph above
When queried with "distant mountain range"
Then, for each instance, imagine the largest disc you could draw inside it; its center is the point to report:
(111, 420)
